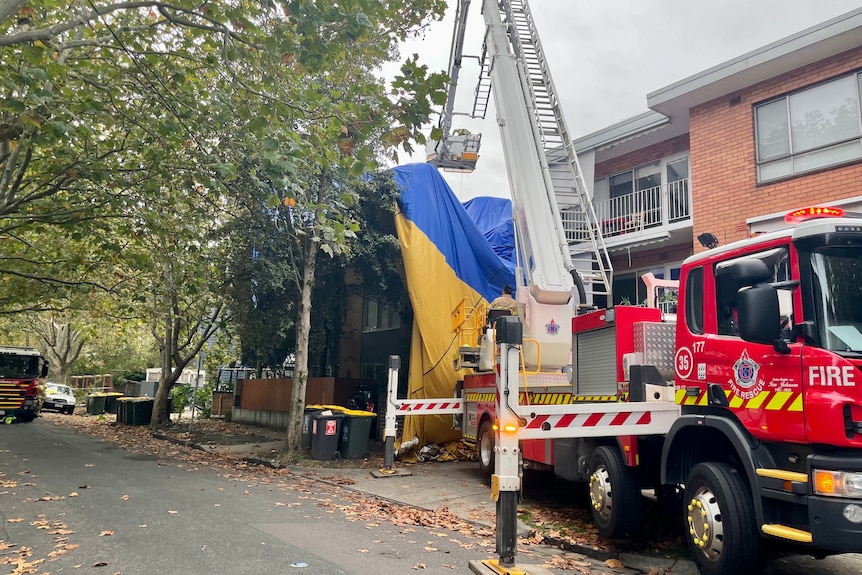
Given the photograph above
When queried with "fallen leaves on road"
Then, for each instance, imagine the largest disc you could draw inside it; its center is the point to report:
(106, 533)
(569, 563)
(565, 527)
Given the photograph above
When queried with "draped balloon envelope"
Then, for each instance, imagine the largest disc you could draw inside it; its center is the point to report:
(447, 259)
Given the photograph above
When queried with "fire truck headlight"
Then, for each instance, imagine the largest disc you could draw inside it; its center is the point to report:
(853, 513)
(838, 484)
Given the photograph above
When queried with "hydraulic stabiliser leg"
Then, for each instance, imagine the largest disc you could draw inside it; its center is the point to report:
(389, 428)
(506, 481)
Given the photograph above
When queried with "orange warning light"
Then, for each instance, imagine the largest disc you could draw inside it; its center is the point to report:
(824, 482)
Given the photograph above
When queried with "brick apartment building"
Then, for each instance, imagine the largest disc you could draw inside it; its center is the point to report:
(729, 150)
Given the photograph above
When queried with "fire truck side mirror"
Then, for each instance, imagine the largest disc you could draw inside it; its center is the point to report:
(759, 316)
(44, 372)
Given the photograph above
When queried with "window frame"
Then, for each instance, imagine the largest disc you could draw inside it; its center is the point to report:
(387, 315)
(694, 306)
(793, 155)
(725, 318)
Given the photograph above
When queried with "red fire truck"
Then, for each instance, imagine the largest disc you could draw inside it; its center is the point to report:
(749, 403)
(20, 371)
(746, 401)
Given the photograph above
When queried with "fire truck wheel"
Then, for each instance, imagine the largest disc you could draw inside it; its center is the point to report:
(615, 496)
(722, 531)
(485, 446)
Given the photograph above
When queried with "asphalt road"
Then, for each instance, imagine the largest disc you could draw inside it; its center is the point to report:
(72, 503)
(82, 505)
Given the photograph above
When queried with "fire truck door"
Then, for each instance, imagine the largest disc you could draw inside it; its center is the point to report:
(764, 387)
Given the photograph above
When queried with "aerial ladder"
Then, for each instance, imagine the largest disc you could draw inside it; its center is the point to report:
(544, 174)
(568, 209)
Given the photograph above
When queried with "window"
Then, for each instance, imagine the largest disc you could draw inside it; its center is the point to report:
(629, 289)
(621, 184)
(726, 289)
(636, 197)
(677, 190)
(15, 366)
(694, 300)
(808, 130)
(378, 315)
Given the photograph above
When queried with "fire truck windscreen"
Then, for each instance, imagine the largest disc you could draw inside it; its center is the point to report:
(19, 366)
(836, 272)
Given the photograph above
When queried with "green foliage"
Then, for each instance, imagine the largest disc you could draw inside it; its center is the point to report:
(135, 137)
(131, 375)
(185, 396)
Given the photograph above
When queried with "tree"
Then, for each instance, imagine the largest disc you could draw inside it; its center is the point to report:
(118, 110)
(60, 342)
(311, 157)
(261, 285)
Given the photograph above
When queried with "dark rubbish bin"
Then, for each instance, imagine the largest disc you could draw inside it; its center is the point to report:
(325, 433)
(355, 433)
(140, 411)
(111, 401)
(123, 409)
(96, 403)
(307, 424)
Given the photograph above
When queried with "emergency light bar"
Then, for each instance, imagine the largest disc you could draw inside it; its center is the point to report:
(811, 213)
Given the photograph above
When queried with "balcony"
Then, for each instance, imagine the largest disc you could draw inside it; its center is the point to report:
(648, 214)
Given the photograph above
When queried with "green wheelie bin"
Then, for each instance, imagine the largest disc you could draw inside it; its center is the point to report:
(355, 433)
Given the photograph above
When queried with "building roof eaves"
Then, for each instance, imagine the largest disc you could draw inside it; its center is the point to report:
(622, 131)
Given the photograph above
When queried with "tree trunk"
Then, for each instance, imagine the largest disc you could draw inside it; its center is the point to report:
(165, 362)
(300, 370)
(62, 345)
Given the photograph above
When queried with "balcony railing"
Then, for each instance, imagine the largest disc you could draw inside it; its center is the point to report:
(652, 208)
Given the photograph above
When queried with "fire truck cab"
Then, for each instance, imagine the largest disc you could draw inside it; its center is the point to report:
(767, 377)
(20, 370)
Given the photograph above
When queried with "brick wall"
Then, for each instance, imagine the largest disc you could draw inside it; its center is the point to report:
(642, 156)
(723, 162)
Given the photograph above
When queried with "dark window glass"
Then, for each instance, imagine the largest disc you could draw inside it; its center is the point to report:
(694, 300)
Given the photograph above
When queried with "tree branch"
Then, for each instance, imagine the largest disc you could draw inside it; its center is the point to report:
(10, 7)
(47, 34)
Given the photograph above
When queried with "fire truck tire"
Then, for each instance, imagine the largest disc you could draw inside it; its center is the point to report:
(615, 497)
(27, 417)
(485, 447)
(722, 531)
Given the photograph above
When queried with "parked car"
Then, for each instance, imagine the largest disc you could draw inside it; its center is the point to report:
(59, 397)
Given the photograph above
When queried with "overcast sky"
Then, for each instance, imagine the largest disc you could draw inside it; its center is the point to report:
(607, 55)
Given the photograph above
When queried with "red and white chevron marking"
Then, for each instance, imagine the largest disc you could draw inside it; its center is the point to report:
(430, 406)
(590, 420)
(600, 421)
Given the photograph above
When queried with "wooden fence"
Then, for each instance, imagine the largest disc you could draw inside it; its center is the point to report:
(275, 394)
(222, 402)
